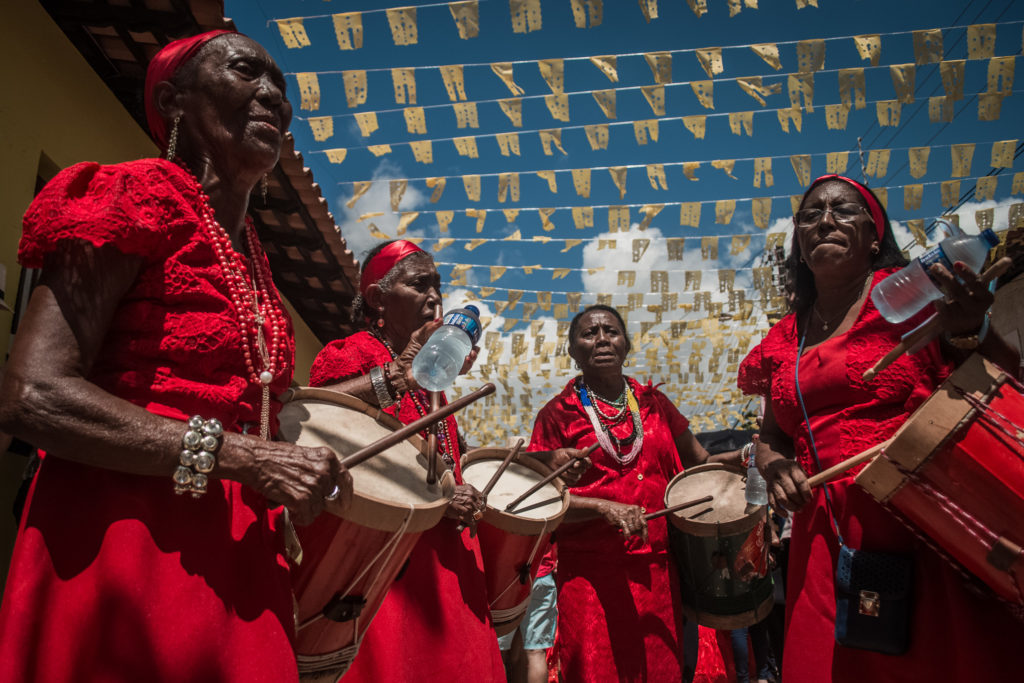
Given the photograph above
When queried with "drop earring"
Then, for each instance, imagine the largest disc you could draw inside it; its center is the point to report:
(172, 139)
(380, 318)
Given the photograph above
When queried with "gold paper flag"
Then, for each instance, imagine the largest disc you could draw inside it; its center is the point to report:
(903, 81)
(649, 8)
(1002, 153)
(558, 105)
(675, 245)
(607, 65)
(355, 87)
(981, 41)
(580, 9)
(545, 219)
(962, 156)
(552, 136)
(293, 33)
(376, 233)
(423, 151)
(405, 219)
(513, 109)
(802, 168)
(656, 176)
(474, 243)
(402, 21)
(690, 170)
(705, 92)
(878, 163)
(802, 84)
(396, 189)
(989, 106)
(618, 219)
(836, 162)
(709, 245)
(984, 218)
(471, 183)
(606, 100)
(559, 273)
(710, 59)
(336, 156)
(950, 190)
(627, 278)
(503, 70)
(516, 236)
(1000, 75)
(371, 214)
(415, 122)
(810, 55)
(916, 227)
(404, 81)
(640, 246)
(438, 185)
(649, 212)
(918, 158)
(553, 72)
(724, 208)
(348, 29)
(912, 197)
(1018, 183)
(466, 147)
(444, 219)
(597, 136)
(763, 168)
(467, 18)
(581, 181)
(696, 125)
(986, 188)
(466, 115)
(508, 184)
(741, 122)
(661, 66)
(618, 174)
(497, 272)
(752, 85)
(309, 91)
(726, 165)
(940, 109)
(689, 214)
(883, 196)
(525, 15)
(851, 87)
(367, 122)
(549, 176)
(836, 116)
(322, 127)
(379, 150)
(888, 112)
(582, 217)
(454, 82)
(508, 143)
(644, 129)
(761, 208)
(655, 95)
(699, 7)
(480, 215)
(869, 47)
(769, 52)
(358, 190)
(928, 46)
(952, 72)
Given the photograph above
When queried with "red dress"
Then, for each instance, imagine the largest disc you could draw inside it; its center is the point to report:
(618, 616)
(434, 623)
(955, 636)
(114, 577)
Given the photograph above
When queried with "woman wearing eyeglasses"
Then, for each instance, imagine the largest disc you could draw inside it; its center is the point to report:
(843, 246)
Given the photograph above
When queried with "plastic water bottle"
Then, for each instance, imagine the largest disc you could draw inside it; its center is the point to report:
(437, 364)
(907, 291)
(757, 491)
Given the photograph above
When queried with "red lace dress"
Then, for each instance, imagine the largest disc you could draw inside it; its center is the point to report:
(434, 623)
(618, 600)
(114, 577)
(955, 636)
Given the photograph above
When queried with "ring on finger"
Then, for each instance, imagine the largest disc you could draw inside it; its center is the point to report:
(333, 495)
(478, 514)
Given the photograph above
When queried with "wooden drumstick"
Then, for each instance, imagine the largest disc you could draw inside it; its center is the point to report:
(548, 479)
(512, 453)
(435, 403)
(931, 327)
(833, 472)
(677, 507)
(419, 425)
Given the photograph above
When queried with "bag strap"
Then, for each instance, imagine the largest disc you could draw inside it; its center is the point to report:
(810, 434)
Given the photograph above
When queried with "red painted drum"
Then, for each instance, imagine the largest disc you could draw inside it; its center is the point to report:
(512, 545)
(352, 556)
(721, 548)
(955, 472)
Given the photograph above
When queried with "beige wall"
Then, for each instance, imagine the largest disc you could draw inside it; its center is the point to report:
(55, 105)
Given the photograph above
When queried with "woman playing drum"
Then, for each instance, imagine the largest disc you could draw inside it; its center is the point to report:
(154, 302)
(843, 245)
(435, 622)
(619, 616)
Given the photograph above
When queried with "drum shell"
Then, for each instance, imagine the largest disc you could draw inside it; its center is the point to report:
(724, 578)
(507, 542)
(959, 480)
(361, 548)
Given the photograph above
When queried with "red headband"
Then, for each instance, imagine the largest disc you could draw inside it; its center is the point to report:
(162, 68)
(873, 206)
(381, 263)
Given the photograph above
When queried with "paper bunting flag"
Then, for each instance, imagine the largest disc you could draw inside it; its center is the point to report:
(348, 29)
(752, 86)
(459, 273)
(415, 122)
(367, 122)
(981, 41)
(467, 18)
(761, 208)
(801, 85)
(444, 219)
(336, 156)
(640, 246)
(474, 243)
(690, 170)
(675, 246)
(402, 21)
(1002, 153)
(950, 190)
(709, 245)
(1016, 215)
(696, 125)
(724, 209)
(503, 70)
(659, 284)
(558, 105)
(689, 214)
(423, 151)
(545, 219)
(508, 187)
(378, 150)
(471, 183)
(794, 203)
(438, 185)
(454, 82)
(710, 59)
(606, 244)
(581, 181)
(836, 116)
(661, 66)
(376, 233)
(869, 47)
(358, 190)
(802, 168)
(510, 216)
(618, 174)
(726, 165)
(912, 197)
(466, 147)
(309, 91)
(877, 164)
(916, 227)
(763, 168)
(888, 112)
(705, 92)
(985, 188)
(322, 127)
(606, 100)
(741, 122)
(1000, 75)
(649, 212)
(569, 244)
(962, 156)
(516, 236)
(984, 218)
(918, 158)
(405, 219)
(293, 33)
(952, 72)
(851, 87)
(699, 7)
(553, 72)
(582, 217)
(549, 176)
(513, 109)
(727, 277)
(480, 215)
(559, 273)
(655, 95)
(656, 176)
(404, 81)
(607, 65)
(928, 46)
(549, 137)
(618, 219)
(989, 106)
(645, 129)
(597, 136)
(497, 272)
(940, 109)
(581, 8)
(810, 55)
(355, 87)
(466, 115)
(1018, 183)
(903, 81)
(627, 278)
(508, 143)
(396, 190)
(525, 15)
(769, 52)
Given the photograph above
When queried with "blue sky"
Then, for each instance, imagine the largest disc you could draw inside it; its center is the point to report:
(625, 33)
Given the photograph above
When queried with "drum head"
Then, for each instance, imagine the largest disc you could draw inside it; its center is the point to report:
(726, 513)
(541, 513)
(387, 485)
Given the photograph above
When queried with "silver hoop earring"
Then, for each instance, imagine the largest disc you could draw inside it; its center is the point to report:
(625, 363)
(172, 140)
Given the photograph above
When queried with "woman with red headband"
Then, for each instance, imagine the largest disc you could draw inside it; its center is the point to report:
(843, 246)
(152, 546)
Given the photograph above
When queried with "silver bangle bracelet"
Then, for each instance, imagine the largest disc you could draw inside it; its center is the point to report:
(198, 457)
(380, 387)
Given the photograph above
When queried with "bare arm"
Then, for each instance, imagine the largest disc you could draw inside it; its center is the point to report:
(46, 400)
(628, 518)
(785, 479)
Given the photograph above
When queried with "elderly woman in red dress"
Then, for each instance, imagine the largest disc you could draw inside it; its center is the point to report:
(843, 246)
(618, 598)
(154, 340)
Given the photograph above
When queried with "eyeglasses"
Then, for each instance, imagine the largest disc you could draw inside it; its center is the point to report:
(843, 213)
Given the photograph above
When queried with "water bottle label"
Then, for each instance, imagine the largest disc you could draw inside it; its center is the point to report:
(933, 256)
(466, 323)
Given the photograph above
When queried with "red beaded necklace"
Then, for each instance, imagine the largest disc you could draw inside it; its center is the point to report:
(255, 306)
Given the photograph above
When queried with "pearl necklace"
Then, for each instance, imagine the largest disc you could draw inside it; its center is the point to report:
(253, 302)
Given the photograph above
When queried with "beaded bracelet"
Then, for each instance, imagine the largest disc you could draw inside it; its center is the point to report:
(745, 454)
(389, 384)
(199, 447)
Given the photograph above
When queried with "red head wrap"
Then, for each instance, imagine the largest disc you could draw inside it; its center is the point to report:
(383, 261)
(873, 206)
(162, 68)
